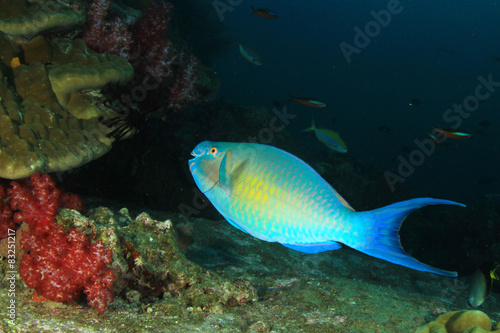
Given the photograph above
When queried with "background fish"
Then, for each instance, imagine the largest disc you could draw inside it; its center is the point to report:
(308, 101)
(250, 55)
(274, 196)
(330, 138)
(481, 283)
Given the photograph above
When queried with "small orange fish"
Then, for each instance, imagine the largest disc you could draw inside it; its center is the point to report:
(310, 102)
(453, 134)
(265, 13)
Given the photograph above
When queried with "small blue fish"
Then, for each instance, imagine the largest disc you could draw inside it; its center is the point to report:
(276, 197)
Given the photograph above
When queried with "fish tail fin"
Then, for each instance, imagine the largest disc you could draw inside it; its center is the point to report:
(379, 237)
(312, 128)
(253, 10)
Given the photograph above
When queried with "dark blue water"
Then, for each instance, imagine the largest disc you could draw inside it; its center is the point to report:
(433, 51)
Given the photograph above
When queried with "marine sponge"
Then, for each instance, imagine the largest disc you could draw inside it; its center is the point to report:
(464, 321)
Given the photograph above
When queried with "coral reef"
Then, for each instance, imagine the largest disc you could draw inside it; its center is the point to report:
(49, 117)
(67, 254)
(59, 264)
(21, 19)
(464, 321)
(148, 45)
(148, 264)
(54, 113)
(50, 91)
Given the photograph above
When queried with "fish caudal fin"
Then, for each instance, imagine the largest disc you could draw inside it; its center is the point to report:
(381, 239)
(312, 128)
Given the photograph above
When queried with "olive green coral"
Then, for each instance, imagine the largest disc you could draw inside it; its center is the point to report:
(21, 20)
(48, 121)
(464, 321)
(50, 92)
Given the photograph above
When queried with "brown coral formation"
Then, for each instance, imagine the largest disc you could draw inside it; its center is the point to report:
(50, 103)
(464, 321)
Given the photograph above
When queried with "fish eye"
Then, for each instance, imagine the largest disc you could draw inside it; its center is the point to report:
(213, 151)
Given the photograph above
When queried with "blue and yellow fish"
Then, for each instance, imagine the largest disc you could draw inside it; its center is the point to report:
(330, 138)
(250, 55)
(276, 197)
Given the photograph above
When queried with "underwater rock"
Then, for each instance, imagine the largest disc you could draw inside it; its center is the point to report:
(464, 321)
(148, 265)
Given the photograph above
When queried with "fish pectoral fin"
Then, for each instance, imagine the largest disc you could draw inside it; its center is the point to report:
(314, 248)
(230, 179)
(224, 176)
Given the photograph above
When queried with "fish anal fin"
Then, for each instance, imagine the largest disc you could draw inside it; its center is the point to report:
(313, 248)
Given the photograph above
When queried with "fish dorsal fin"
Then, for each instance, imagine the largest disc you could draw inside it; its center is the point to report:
(342, 200)
(229, 180)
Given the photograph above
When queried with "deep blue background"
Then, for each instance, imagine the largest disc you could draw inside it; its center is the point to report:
(433, 51)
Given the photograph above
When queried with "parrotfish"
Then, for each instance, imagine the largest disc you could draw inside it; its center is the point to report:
(250, 55)
(330, 138)
(276, 197)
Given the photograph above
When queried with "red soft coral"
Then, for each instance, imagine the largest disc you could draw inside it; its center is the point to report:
(6, 221)
(146, 45)
(59, 265)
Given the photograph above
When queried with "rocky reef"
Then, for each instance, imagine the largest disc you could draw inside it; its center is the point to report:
(59, 103)
(64, 256)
